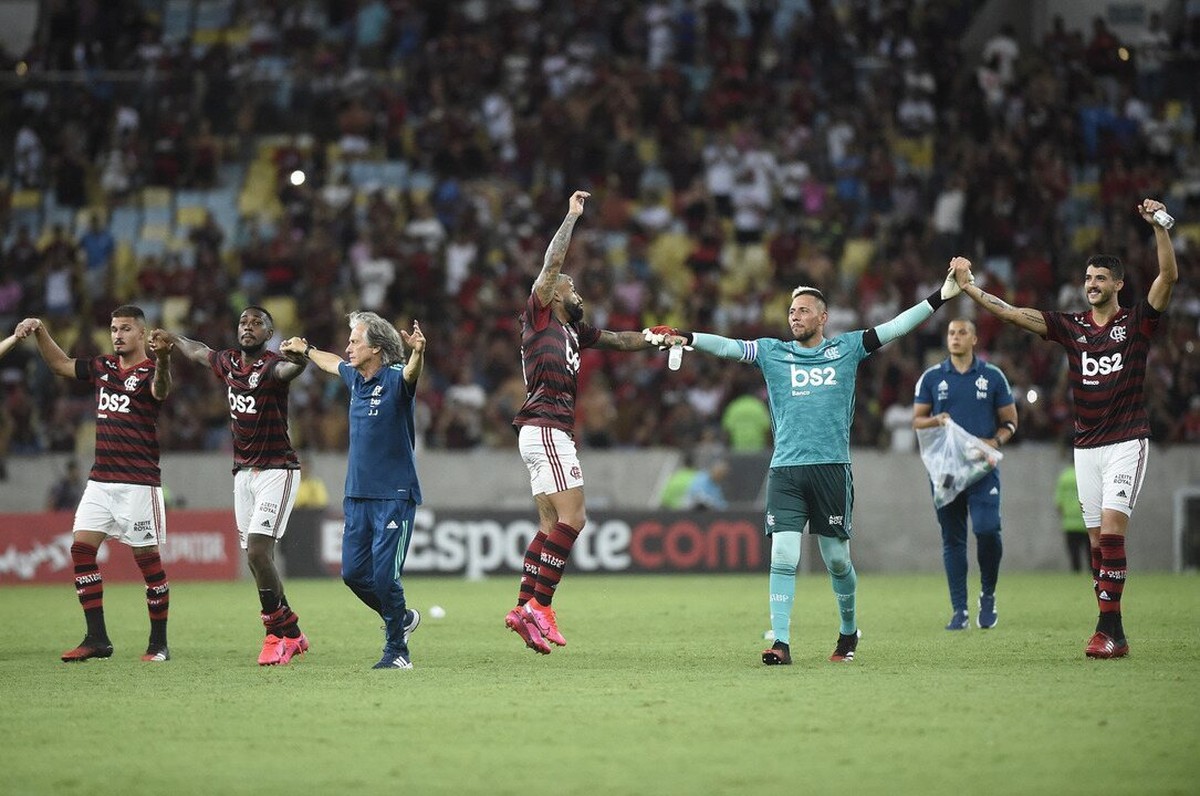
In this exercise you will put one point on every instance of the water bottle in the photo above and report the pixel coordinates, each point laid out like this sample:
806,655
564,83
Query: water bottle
675,357
1163,219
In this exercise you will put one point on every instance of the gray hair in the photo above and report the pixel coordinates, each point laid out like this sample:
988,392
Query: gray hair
380,334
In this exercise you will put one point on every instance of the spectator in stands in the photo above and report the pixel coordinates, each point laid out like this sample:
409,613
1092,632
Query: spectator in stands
675,491
64,494
29,158
98,247
670,133
748,423
704,491
1066,502
460,423
312,492
12,298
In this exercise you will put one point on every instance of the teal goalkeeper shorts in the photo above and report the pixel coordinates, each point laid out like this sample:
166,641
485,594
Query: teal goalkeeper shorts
821,495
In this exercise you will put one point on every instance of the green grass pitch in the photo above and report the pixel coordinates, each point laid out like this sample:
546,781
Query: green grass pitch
660,691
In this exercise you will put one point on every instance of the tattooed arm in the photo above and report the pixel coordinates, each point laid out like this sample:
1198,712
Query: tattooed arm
556,252
1168,269
161,347
622,341
1025,317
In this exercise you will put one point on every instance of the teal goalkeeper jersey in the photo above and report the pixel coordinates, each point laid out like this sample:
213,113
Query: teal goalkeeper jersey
811,394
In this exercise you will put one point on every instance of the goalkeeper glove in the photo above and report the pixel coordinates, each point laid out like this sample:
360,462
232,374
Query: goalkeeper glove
950,287
657,335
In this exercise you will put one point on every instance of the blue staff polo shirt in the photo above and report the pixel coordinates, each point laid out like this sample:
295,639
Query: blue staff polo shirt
971,399
381,464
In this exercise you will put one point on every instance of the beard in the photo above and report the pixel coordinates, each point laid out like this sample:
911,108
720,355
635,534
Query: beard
252,350
575,312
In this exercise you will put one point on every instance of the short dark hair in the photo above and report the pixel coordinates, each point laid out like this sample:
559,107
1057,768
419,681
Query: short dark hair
129,311
264,312
1109,261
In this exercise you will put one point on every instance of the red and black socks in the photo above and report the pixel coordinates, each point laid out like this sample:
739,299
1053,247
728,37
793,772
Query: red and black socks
158,595
553,560
277,616
530,568
89,586
1110,584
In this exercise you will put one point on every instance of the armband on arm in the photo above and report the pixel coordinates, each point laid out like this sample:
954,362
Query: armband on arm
724,347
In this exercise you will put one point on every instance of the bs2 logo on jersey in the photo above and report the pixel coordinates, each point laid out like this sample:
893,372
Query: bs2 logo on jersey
812,377
1100,366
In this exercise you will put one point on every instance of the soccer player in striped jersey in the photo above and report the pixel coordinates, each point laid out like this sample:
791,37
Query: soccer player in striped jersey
810,388
266,470
1107,349
123,498
553,333
382,491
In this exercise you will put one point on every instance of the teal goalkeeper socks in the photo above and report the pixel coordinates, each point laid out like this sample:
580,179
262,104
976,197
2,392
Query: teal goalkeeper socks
782,595
844,588
836,554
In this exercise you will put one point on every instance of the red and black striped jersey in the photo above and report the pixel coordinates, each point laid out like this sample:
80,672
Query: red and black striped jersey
1108,371
126,420
258,410
550,363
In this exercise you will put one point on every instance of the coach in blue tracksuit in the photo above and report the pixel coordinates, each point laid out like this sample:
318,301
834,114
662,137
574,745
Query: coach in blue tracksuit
382,492
977,396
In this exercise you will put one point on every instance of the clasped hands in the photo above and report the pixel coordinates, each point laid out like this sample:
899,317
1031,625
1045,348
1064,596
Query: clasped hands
664,337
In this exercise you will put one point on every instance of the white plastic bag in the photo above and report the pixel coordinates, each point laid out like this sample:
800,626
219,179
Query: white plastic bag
955,459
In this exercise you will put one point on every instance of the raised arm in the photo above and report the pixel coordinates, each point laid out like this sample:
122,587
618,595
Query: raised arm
7,343
1168,270
289,369
878,336
415,343
192,349
715,344
296,348
623,341
161,346
59,363
1029,319
556,252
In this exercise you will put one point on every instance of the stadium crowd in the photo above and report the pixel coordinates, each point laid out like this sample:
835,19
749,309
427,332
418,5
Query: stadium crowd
418,155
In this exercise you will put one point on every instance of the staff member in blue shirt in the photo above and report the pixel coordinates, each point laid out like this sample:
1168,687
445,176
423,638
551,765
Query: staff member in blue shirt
382,492
977,396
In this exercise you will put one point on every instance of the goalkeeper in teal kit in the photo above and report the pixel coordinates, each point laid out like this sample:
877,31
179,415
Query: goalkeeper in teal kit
810,388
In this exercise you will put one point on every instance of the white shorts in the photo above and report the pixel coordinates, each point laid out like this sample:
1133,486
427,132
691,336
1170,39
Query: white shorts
133,514
1110,477
263,501
550,455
